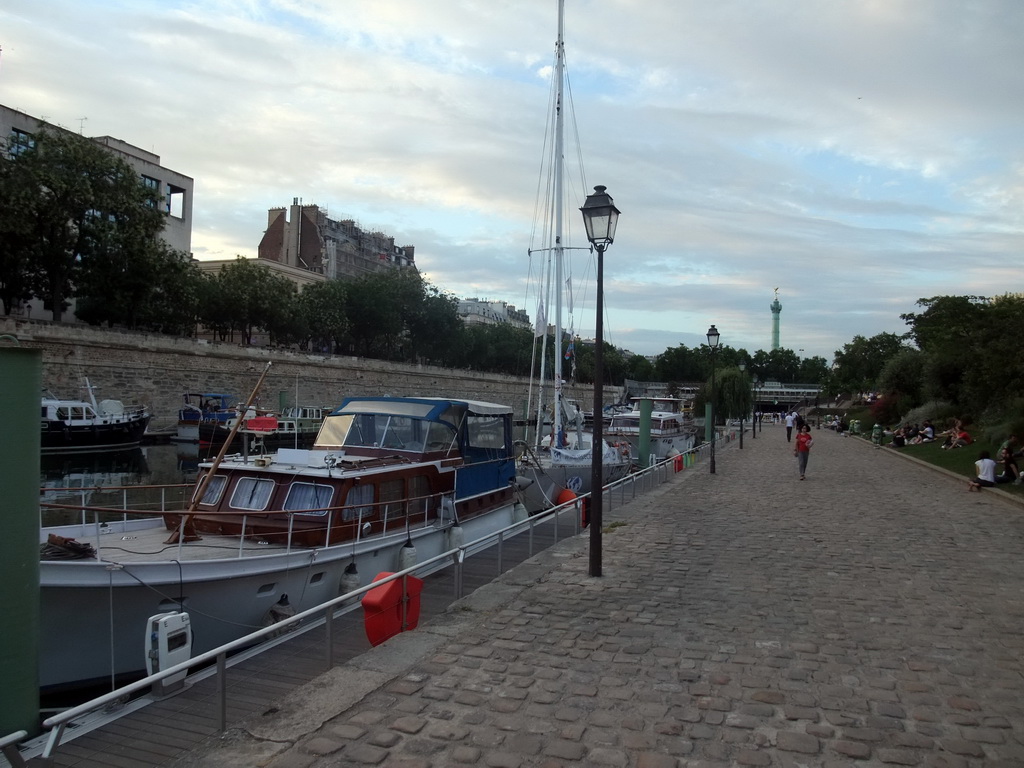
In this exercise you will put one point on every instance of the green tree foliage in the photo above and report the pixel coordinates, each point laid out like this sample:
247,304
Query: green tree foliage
322,308
17,246
498,348
732,396
83,209
901,380
245,297
679,364
859,363
969,345
639,368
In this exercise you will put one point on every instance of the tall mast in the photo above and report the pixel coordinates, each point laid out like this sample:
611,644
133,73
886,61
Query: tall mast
556,416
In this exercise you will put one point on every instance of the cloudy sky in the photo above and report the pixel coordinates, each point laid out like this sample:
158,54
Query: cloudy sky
855,154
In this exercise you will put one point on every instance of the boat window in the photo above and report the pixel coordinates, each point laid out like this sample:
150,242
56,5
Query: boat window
358,502
307,496
214,490
252,493
62,413
419,493
394,432
486,432
392,494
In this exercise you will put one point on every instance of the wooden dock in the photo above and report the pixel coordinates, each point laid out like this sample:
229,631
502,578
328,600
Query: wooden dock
161,731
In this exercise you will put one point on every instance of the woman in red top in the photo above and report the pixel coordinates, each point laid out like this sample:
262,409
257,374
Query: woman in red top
802,451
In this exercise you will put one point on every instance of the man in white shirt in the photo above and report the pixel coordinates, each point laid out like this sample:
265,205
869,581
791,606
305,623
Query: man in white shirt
790,420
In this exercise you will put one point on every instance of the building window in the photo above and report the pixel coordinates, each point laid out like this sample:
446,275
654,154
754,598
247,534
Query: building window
175,201
19,141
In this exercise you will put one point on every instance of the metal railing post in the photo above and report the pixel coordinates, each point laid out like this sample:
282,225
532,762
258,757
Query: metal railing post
222,692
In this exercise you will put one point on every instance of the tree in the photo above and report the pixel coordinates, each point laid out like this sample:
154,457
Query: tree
732,396
377,310
639,368
17,246
434,326
679,364
901,380
78,202
323,307
244,296
858,364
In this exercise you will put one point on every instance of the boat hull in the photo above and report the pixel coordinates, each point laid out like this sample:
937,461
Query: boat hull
58,436
225,598
542,485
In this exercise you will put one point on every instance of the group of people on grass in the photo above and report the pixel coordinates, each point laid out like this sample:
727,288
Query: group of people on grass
986,466
912,434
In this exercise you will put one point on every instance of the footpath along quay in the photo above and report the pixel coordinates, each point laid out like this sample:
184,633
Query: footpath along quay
871,615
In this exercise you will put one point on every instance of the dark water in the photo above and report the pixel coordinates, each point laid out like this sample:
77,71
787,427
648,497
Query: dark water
88,478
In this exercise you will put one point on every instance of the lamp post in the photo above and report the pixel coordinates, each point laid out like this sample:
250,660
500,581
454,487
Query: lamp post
600,217
742,367
753,430
713,337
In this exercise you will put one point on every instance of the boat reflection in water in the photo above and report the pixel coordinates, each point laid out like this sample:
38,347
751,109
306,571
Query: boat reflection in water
81,479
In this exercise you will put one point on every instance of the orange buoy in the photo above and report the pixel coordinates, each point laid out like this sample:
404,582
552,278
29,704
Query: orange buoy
383,608
564,496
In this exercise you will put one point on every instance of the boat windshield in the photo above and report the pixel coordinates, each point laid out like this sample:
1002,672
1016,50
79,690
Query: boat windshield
373,430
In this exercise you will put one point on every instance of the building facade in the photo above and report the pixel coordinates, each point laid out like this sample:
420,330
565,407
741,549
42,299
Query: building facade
304,237
484,312
176,189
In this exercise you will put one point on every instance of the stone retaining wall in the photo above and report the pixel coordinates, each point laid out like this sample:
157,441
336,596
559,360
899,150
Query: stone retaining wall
155,370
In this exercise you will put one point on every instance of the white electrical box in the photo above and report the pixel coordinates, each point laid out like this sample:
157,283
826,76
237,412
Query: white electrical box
168,642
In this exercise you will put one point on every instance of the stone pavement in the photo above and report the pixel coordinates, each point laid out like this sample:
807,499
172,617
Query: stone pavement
870,615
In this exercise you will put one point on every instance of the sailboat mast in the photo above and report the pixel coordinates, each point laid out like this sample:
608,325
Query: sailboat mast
556,416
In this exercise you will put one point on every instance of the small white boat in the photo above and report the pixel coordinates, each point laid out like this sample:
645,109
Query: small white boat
388,479
85,425
671,432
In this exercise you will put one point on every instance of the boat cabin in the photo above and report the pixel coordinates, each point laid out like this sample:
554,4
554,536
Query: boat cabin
377,466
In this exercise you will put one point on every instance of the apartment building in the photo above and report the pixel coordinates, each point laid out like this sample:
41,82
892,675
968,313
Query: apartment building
305,237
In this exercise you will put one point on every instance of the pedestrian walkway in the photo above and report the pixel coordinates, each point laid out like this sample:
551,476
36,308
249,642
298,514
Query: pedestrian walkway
870,615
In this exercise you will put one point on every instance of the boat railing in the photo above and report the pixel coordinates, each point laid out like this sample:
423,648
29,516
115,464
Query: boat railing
220,659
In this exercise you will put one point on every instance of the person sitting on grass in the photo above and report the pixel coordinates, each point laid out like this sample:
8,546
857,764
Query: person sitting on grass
986,473
926,435
1008,453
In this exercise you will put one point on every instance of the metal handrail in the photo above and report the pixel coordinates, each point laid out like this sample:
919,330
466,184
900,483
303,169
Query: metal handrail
326,611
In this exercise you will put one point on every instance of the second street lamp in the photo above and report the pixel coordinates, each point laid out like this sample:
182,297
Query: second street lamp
743,368
713,338
754,417
600,216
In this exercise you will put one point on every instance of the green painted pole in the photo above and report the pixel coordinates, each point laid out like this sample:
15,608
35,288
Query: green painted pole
708,426
646,408
20,385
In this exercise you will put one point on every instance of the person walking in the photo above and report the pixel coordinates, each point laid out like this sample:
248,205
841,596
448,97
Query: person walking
802,451
789,426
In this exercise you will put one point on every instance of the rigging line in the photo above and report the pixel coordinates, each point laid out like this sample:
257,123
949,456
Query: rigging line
543,188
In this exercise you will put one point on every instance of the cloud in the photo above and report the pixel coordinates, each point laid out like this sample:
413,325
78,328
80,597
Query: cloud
860,154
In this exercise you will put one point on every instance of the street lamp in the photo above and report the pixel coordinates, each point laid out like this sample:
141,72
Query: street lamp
742,367
713,337
599,217
753,430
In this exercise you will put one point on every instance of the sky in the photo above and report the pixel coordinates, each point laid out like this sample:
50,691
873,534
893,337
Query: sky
855,155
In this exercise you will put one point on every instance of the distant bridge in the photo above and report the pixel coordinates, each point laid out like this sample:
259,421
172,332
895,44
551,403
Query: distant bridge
769,395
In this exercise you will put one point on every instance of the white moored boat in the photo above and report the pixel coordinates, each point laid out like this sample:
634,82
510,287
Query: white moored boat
559,464
385,475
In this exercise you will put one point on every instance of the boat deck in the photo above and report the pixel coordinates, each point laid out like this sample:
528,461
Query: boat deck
149,544
159,732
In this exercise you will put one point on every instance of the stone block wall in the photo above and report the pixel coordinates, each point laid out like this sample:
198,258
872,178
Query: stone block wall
156,370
